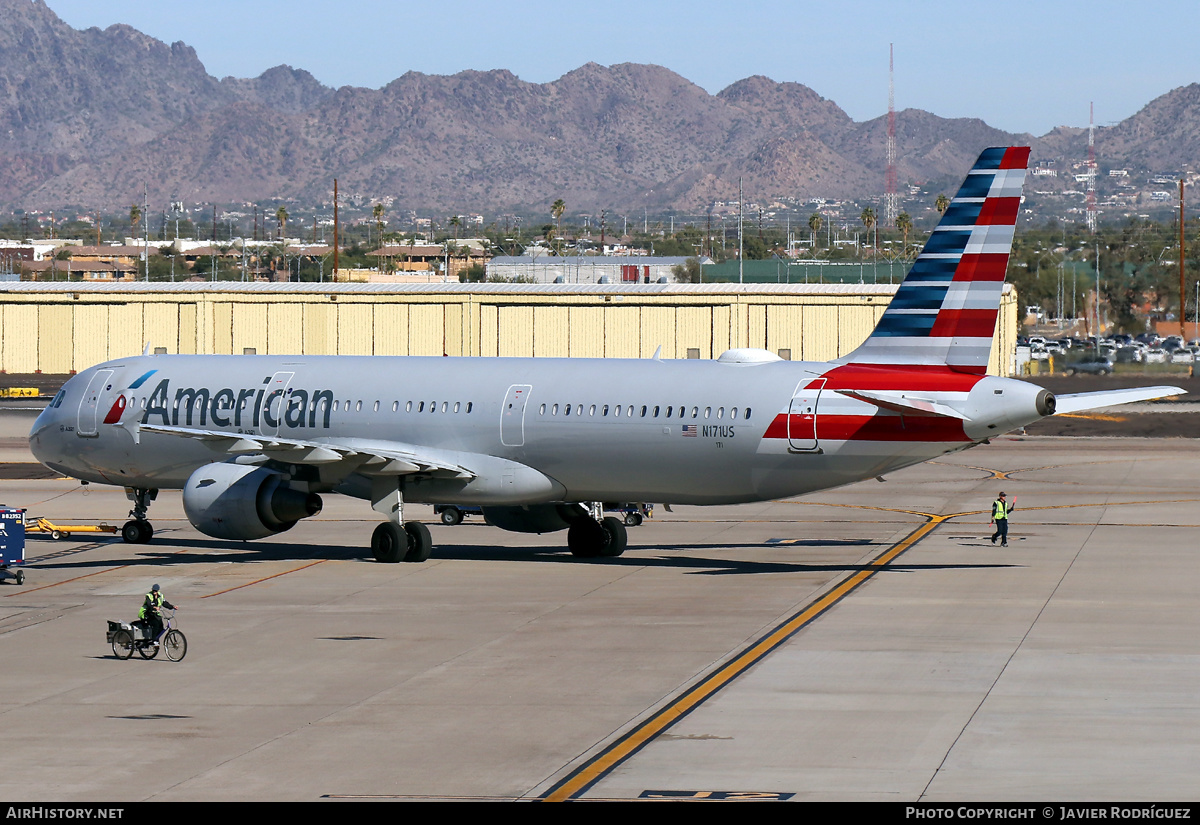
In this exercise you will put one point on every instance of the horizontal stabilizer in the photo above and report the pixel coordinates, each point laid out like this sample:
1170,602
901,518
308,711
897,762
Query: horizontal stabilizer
905,403
1079,401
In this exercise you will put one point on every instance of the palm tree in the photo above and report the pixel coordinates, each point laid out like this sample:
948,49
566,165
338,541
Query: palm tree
281,215
815,221
377,213
135,217
904,224
941,204
557,209
868,219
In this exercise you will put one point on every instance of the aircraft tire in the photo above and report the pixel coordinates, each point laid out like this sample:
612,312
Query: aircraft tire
420,543
389,543
122,644
616,537
452,516
137,531
586,539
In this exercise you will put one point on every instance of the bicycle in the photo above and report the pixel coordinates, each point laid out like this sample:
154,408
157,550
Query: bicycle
126,637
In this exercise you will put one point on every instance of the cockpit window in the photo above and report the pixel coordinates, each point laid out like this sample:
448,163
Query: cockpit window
57,400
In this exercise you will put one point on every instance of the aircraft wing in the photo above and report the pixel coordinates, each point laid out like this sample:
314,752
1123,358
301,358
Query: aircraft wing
1079,401
359,455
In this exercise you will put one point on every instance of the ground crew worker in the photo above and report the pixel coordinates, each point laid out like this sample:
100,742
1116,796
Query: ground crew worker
151,612
1000,510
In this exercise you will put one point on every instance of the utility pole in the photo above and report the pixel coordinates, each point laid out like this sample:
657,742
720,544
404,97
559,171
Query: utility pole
335,229
741,273
1182,282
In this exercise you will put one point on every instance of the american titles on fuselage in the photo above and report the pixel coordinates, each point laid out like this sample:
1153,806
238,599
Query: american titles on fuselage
236,407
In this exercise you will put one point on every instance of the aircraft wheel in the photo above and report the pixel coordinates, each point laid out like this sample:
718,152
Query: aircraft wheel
122,644
452,516
586,539
616,538
420,543
389,543
137,531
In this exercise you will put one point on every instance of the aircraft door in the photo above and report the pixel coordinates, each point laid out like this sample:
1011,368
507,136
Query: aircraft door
89,405
512,415
802,417
275,403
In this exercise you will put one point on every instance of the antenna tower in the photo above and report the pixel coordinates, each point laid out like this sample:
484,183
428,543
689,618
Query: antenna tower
1091,169
890,202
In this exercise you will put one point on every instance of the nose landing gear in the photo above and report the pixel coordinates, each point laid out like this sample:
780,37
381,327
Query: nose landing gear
139,531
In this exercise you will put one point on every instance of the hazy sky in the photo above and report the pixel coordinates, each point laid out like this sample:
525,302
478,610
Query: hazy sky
1022,66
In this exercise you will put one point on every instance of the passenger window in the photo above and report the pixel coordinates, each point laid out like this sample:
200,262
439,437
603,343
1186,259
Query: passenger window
695,412
668,412
630,411
408,407
567,409
376,409
643,411
470,404
605,410
733,413
656,412
592,410
542,411
421,407
457,403
395,406
720,413
445,405
707,412
747,413
554,410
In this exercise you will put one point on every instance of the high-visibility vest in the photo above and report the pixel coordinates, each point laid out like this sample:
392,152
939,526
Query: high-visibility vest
1000,509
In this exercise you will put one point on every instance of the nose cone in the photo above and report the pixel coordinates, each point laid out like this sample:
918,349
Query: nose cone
49,437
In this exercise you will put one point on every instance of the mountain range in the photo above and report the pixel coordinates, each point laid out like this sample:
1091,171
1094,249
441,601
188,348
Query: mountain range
91,116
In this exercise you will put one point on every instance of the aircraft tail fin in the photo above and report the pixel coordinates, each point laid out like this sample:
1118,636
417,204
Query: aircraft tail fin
944,313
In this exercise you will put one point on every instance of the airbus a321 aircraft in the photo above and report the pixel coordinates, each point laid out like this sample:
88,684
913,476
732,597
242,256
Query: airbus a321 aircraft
253,441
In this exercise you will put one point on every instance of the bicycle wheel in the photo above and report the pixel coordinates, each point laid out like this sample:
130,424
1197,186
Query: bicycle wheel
122,644
148,650
175,645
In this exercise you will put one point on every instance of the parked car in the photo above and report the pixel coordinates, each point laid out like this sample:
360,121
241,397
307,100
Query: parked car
1089,366
1156,355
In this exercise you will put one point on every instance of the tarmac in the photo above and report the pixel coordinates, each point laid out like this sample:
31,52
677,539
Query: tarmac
866,643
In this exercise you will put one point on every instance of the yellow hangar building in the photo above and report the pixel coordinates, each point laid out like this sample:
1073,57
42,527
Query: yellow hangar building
66,327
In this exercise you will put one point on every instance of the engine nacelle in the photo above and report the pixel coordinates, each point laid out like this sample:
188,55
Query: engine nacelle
237,501
535,518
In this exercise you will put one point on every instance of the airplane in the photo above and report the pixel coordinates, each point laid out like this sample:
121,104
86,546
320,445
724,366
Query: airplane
253,441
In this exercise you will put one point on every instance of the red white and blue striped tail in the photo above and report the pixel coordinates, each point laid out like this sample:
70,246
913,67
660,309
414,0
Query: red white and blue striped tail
944,313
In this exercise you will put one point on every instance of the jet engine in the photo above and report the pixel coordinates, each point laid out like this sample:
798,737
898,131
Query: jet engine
236,501
535,518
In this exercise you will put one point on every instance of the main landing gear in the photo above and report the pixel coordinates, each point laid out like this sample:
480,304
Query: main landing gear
588,538
394,541
391,542
139,531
